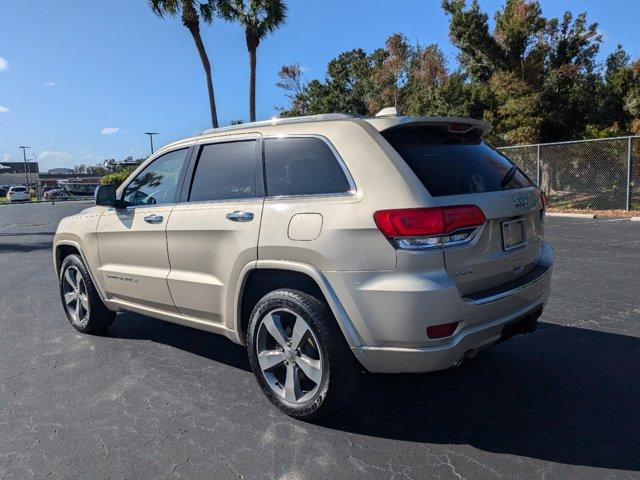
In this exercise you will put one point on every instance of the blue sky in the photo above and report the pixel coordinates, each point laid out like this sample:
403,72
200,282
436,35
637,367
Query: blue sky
81,80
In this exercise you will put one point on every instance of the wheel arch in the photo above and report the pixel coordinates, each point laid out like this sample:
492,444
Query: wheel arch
62,250
65,247
263,276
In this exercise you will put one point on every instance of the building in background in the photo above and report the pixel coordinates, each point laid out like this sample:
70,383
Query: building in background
13,173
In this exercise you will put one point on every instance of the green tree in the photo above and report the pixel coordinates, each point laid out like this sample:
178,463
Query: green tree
190,12
347,85
258,18
536,79
620,89
117,178
540,71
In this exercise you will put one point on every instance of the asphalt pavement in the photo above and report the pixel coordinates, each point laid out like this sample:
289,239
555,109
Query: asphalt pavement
157,400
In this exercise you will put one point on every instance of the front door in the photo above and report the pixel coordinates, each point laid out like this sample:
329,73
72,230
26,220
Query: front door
213,233
132,242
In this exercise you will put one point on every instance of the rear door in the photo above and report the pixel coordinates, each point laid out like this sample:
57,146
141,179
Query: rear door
458,168
213,232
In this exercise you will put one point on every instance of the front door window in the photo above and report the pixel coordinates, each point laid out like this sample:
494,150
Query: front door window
158,182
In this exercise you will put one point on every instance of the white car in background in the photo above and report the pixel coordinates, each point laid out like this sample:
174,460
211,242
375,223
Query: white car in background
18,193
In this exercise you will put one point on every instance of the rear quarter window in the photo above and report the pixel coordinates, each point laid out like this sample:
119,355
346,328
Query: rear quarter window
302,166
454,163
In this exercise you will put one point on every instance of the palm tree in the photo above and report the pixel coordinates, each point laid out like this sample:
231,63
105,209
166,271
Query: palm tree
258,17
191,10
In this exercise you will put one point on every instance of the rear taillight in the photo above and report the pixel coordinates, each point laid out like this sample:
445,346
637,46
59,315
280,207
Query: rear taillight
545,202
420,228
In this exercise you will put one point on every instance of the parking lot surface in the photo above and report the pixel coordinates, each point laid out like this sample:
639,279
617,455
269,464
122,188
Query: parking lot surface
157,400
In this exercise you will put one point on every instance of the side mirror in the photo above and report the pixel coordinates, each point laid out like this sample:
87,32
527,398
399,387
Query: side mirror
106,195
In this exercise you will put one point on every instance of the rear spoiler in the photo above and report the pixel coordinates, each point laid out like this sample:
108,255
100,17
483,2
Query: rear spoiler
454,124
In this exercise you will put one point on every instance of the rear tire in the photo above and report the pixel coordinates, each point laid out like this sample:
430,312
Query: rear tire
80,299
299,355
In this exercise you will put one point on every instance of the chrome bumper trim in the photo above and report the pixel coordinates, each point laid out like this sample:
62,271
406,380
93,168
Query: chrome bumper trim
510,292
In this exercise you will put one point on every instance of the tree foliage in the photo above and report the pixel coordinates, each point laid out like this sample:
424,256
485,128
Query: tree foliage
534,78
117,178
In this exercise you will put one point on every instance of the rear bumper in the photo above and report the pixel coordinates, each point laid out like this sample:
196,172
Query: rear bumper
391,311
466,343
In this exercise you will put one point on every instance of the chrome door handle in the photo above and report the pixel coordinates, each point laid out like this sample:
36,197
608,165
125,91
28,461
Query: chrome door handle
240,216
153,218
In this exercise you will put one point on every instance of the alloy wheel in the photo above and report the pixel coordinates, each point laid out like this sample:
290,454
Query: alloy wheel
74,292
289,356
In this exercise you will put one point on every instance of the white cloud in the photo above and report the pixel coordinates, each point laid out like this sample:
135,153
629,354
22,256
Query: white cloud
89,158
49,84
52,159
109,130
3,64
3,109
7,157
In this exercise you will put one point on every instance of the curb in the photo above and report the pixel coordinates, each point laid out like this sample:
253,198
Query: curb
572,215
635,219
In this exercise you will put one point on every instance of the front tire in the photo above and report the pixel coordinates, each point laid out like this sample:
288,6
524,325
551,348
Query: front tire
299,356
80,300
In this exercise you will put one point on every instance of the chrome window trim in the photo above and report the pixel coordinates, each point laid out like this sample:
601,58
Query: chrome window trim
352,185
223,201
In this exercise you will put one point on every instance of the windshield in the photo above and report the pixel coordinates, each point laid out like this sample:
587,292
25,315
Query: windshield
454,163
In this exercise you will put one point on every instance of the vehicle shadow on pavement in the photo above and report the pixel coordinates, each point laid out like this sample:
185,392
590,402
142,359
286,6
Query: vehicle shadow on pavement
563,394
129,325
24,247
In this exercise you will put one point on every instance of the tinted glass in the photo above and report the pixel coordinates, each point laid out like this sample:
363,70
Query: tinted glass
157,183
19,189
454,164
225,171
302,166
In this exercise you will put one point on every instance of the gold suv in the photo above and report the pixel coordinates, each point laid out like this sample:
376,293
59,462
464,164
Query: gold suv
326,245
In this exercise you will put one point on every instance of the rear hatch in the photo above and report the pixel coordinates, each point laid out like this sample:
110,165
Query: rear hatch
458,168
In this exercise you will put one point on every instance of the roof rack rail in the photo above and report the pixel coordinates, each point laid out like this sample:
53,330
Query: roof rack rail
283,121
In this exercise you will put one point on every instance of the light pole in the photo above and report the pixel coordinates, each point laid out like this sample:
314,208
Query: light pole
151,134
26,170
36,182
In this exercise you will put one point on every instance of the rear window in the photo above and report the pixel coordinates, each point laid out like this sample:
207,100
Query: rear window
19,189
454,163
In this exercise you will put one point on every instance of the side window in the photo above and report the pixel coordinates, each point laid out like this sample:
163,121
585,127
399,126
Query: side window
225,171
302,166
157,183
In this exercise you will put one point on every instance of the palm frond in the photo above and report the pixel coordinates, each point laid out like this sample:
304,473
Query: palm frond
208,11
259,17
165,7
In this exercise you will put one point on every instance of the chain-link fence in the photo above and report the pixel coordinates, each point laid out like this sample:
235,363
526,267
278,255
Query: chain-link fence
602,174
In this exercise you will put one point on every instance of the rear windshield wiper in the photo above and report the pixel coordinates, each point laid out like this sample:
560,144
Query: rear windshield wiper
509,176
